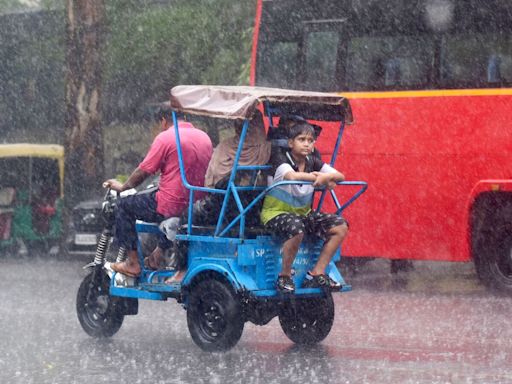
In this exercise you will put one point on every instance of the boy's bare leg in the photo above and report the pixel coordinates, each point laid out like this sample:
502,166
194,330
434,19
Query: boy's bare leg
290,249
336,236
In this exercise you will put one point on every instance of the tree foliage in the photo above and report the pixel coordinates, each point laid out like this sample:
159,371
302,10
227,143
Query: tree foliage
150,46
189,41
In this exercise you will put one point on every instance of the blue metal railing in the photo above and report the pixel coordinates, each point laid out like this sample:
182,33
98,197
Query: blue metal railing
233,189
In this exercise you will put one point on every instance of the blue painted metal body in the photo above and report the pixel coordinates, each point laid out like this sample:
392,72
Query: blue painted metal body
250,264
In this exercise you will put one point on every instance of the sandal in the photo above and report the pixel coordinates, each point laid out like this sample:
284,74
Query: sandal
320,281
176,279
122,267
285,284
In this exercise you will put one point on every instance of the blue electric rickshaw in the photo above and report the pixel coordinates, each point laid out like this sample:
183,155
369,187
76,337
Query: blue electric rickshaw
232,268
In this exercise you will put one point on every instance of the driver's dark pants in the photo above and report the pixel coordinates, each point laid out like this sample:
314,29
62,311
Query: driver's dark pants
137,207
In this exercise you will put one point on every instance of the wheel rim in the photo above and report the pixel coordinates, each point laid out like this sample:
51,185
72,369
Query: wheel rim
212,322
96,308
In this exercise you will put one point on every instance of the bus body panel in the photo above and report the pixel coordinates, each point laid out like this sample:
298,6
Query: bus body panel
429,141
421,158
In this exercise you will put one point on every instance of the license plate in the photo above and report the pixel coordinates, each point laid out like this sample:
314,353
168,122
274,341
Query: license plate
85,239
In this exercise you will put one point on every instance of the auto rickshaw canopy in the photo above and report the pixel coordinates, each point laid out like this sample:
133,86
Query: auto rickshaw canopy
239,102
51,151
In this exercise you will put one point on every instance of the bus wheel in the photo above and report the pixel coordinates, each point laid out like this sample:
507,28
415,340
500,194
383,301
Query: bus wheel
307,321
492,240
99,316
214,315
494,263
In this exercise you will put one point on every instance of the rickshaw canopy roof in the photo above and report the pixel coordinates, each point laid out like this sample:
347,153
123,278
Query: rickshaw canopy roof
54,151
239,102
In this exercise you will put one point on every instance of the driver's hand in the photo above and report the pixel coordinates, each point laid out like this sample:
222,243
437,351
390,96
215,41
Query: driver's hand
113,184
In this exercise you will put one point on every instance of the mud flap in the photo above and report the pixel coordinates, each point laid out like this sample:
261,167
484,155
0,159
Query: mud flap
128,305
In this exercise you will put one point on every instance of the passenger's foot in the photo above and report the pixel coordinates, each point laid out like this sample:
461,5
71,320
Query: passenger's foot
285,284
320,281
155,260
126,268
176,278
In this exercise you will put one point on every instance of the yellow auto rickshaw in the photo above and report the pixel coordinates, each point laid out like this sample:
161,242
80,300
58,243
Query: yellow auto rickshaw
31,195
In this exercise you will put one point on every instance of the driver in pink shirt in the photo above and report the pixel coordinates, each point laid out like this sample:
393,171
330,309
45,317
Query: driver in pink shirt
170,199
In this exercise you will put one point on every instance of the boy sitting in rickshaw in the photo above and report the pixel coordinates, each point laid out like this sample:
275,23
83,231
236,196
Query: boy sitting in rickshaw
287,210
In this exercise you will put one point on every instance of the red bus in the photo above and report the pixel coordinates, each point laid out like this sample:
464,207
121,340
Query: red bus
430,85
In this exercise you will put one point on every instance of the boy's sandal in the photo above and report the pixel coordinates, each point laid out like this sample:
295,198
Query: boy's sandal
320,281
285,284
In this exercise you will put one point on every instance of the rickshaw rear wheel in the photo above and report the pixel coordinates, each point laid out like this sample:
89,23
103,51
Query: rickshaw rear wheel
214,315
97,311
307,321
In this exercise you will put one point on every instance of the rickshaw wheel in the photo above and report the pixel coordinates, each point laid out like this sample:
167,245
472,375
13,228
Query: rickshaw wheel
307,321
214,315
96,310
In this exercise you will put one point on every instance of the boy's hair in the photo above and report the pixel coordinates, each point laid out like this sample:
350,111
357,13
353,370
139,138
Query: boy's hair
300,128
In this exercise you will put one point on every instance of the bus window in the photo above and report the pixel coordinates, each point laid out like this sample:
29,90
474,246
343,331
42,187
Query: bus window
279,64
396,62
320,60
476,60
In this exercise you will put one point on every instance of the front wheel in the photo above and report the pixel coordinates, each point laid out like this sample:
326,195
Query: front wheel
307,321
97,312
214,315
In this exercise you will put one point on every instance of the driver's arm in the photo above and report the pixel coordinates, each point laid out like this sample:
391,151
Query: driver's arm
135,179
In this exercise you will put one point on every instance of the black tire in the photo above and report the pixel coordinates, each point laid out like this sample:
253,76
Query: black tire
307,321
11,250
38,247
97,311
492,241
494,262
214,315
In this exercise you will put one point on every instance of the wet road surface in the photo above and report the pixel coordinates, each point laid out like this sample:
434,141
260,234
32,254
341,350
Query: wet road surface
435,324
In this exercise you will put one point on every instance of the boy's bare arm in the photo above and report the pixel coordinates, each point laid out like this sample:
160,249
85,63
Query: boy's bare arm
328,179
300,176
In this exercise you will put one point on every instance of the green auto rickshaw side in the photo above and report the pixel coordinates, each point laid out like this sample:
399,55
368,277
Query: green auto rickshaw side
31,181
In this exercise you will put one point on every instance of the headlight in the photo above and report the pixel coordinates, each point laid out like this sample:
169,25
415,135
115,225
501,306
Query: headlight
89,218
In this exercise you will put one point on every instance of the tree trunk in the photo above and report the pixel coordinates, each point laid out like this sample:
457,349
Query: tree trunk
83,138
